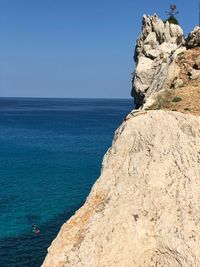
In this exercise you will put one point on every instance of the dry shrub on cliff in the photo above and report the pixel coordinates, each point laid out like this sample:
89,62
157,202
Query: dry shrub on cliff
162,100
185,99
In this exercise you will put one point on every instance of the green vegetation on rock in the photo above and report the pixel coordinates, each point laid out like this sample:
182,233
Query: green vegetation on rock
172,20
176,99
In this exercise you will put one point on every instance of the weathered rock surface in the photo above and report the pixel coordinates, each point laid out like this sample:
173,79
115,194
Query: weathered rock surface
194,74
197,63
193,39
177,83
144,210
156,49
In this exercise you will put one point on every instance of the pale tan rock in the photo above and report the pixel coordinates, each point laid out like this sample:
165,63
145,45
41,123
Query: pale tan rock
178,51
178,83
144,210
173,73
193,39
168,75
152,53
157,43
145,73
194,74
197,63
167,48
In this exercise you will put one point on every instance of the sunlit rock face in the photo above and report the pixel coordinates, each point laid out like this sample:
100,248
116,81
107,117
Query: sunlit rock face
154,53
193,39
144,210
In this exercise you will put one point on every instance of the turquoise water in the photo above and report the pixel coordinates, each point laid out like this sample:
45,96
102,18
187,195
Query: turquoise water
51,153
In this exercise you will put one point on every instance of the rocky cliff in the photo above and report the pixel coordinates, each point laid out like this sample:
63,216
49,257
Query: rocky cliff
144,210
157,59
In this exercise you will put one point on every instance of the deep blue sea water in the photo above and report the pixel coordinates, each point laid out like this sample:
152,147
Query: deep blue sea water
50,155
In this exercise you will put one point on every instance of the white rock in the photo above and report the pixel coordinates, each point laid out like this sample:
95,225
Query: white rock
151,39
175,30
178,51
144,210
146,48
178,83
158,42
193,39
152,53
145,73
194,74
173,73
167,48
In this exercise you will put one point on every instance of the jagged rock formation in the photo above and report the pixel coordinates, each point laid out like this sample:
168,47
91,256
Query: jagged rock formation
193,39
155,51
144,210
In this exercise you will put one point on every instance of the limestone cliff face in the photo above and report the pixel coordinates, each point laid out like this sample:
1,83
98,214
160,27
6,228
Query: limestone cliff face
156,54
144,210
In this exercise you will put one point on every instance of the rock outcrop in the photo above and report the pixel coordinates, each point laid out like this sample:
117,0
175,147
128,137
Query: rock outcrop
156,57
144,210
193,39
155,51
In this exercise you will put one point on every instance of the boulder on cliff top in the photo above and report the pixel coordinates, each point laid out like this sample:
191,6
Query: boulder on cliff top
193,39
144,210
155,32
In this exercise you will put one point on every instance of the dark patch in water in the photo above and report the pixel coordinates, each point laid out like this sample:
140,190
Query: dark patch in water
29,250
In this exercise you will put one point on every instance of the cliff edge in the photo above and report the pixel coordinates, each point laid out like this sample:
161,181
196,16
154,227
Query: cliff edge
144,210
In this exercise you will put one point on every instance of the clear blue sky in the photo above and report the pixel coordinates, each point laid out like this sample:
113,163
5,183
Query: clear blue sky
75,48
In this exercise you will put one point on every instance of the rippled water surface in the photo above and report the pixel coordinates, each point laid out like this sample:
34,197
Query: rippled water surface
50,155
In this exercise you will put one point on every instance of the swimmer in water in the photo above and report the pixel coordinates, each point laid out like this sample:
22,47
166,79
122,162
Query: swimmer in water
35,229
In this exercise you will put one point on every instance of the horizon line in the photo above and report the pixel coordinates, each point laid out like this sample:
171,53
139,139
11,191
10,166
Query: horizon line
41,97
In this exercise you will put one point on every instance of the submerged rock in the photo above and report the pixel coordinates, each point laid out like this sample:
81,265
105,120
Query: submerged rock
144,210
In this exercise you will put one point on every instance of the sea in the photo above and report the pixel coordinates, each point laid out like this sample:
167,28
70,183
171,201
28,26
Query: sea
50,156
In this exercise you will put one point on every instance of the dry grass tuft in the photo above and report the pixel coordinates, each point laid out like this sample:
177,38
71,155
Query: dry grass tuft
185,99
